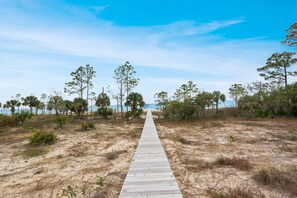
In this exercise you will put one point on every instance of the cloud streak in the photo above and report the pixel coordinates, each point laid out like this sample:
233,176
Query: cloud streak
181,46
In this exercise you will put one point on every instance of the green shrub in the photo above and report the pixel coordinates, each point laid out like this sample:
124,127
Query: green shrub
23,116
176,110
42,137
60,121
104,112
86,126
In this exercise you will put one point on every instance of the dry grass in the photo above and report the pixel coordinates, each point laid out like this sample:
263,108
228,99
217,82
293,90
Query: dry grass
195,150
31,151
74,160
113,154
238,192
78,150
197,165
237,162
182,140
283,180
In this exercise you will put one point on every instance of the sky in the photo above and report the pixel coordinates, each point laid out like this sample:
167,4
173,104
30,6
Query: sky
212,43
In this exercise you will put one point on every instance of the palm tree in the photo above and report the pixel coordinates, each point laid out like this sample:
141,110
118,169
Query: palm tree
136,103
80,106
216,97
18,98
103,102
5,108
12,104
30,101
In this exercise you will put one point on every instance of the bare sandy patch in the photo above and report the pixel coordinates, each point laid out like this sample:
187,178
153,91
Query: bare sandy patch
215,156
78,164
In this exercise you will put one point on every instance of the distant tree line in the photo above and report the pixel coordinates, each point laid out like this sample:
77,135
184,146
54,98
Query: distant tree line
274,96
82,86
188,102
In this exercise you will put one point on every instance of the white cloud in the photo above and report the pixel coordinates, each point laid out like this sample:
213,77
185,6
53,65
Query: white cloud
191,28
216,63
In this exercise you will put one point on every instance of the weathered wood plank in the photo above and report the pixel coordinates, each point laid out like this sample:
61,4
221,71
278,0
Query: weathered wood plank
150,174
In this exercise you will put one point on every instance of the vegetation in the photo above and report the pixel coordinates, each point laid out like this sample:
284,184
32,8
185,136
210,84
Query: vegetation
238,192
60,121
81,80
31,101
12,104
79,106
126,81
162,99
291,37
103,103
236,91
23,117
7,120
56,102
188,102
283,180
239,163
42,138
32,151
276,68
136,104
86,126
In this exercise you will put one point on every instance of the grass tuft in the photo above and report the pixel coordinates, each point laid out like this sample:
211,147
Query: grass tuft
182,140
33,152
87,126
239,163
238,192
113,154
283,180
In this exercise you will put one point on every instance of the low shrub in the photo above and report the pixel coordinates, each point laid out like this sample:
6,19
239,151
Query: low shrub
86,126
23,117
239,163
104,112
42,137
60,121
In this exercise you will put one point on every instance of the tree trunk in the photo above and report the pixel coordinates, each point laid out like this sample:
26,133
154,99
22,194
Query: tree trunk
286,80
121,100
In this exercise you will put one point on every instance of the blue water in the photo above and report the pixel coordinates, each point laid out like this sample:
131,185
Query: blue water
226,104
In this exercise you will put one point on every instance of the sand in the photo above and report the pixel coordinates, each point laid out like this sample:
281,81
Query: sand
192,148
81,163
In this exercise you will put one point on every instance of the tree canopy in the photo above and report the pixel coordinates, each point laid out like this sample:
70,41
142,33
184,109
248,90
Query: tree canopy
276,68
291,37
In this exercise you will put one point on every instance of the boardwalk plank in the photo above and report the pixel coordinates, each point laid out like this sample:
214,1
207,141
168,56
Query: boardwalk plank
150,174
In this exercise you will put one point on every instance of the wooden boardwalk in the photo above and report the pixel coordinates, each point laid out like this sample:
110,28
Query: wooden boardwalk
150,174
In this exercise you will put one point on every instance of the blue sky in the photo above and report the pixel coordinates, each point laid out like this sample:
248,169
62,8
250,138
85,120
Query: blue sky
213,43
